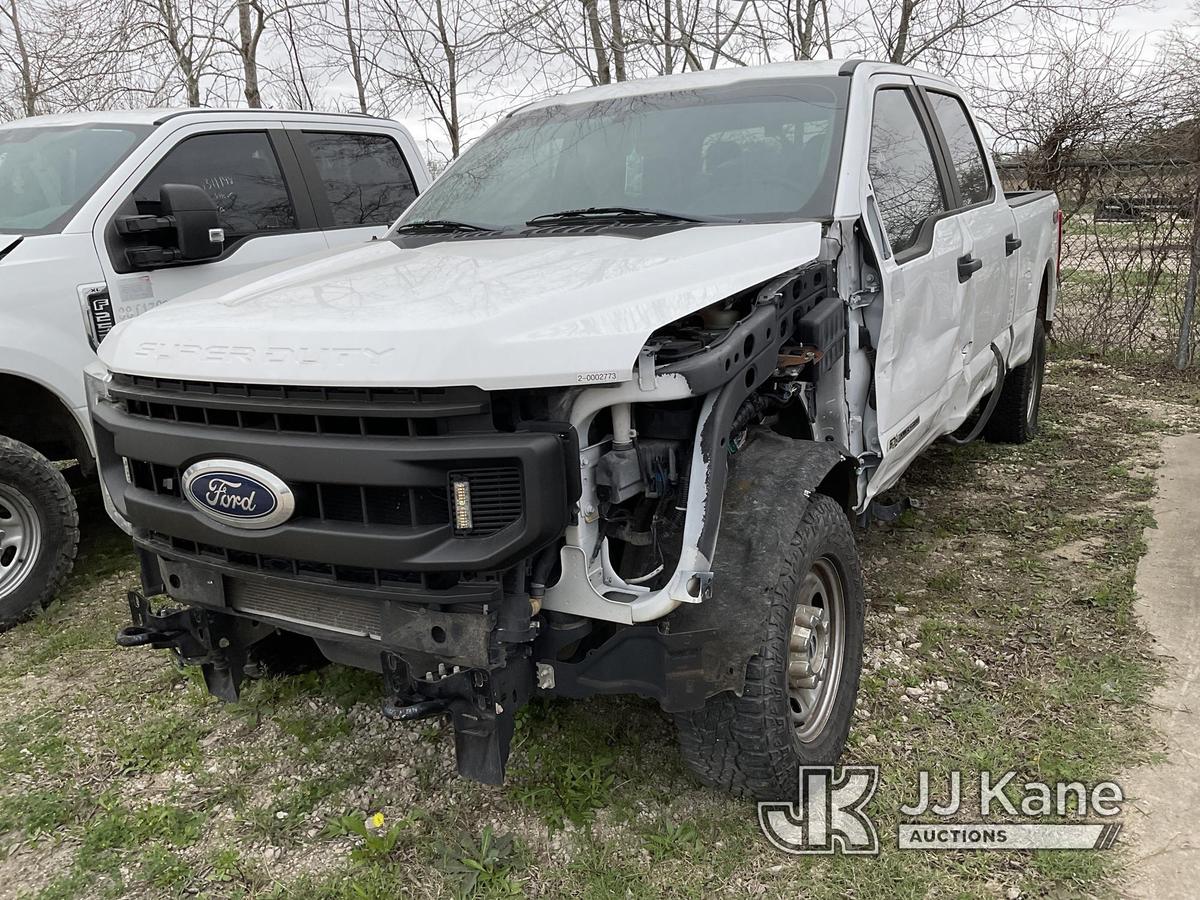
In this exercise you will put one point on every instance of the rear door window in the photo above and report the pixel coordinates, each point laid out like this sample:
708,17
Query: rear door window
365,177
908,190
238,170
966,151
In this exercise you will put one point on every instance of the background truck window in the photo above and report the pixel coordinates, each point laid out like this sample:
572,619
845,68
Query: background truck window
366,179
46,173
241,174
907,188
966,152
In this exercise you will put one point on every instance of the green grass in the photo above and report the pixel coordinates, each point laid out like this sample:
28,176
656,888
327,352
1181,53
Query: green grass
164,741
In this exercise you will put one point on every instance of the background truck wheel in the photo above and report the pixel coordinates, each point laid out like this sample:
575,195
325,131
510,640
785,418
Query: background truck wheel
801,685
1015,418
39,531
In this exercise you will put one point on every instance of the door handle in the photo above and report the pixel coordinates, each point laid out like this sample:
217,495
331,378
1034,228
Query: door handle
968,266
1012,244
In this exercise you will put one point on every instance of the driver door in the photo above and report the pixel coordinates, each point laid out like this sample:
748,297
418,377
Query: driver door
919,359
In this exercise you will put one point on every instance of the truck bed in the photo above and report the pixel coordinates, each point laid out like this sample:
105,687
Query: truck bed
1020,198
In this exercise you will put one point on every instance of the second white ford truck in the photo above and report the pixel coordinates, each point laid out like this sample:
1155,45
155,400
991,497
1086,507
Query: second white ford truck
596,415
93,209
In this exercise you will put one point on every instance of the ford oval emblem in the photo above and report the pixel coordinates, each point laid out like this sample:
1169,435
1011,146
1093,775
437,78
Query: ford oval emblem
238,493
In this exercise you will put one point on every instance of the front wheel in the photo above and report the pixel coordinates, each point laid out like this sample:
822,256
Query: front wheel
801,686
39,531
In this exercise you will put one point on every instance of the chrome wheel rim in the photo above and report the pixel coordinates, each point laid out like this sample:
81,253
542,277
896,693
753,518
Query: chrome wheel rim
20,538
816,650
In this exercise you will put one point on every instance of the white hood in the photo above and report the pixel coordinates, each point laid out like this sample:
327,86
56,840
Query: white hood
506,313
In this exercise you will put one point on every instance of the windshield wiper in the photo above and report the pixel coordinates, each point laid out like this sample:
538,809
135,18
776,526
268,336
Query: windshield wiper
441,225
621,214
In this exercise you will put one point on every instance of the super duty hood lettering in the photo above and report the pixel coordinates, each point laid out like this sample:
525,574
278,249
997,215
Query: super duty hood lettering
498,314
298,356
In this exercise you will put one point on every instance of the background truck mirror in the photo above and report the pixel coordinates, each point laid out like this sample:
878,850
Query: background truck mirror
198,233
187,229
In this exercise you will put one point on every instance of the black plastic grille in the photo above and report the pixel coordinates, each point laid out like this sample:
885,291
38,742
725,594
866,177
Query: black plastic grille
288,393
303,570
360,504
371,511
366,412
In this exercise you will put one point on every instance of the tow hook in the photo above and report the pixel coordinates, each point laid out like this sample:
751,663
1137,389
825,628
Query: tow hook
141,636
165,629
422,709
198,637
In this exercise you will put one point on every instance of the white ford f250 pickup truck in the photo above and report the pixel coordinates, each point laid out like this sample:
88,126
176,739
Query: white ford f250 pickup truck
93,209
597,414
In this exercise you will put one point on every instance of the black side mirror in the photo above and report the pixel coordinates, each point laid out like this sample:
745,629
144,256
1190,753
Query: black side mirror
198,232
189,214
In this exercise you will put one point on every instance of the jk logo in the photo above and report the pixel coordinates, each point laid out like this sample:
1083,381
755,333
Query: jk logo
828,816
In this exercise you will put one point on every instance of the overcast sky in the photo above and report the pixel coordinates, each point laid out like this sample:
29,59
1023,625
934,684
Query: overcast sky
1153,20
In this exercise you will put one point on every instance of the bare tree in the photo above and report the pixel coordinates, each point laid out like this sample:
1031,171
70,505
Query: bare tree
324,41
592,12
1076,94
618,39
940,34
191,32
254,17
649,37
451,51
565,38
251,23
297,79
808,21
20,57
352,29
62,54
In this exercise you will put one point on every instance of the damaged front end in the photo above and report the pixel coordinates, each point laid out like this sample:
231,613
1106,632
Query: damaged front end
475,548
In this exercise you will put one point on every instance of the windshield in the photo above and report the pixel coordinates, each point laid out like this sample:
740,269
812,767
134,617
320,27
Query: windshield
765,151
46,173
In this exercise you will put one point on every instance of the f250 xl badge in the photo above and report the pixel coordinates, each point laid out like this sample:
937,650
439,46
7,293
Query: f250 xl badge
238,493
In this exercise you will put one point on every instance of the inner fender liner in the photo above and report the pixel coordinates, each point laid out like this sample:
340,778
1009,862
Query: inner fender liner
766,494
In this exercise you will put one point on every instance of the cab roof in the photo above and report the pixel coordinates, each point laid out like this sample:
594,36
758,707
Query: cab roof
713,78
160,115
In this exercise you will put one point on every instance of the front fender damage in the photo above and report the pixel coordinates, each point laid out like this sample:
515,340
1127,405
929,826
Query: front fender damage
769,486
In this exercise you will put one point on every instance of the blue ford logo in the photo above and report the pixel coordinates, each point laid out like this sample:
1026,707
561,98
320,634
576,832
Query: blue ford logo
238,493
